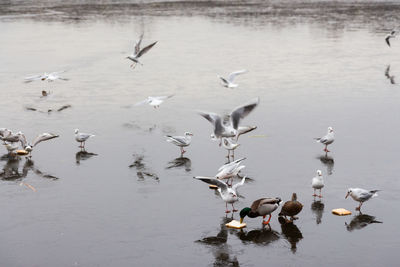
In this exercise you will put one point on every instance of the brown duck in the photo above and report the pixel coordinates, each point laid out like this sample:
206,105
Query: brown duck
291,208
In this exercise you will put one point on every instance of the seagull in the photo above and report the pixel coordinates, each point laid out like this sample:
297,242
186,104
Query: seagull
390,77
11,137
40,138
392,34
228,194
361,195
230,170
11,147
50,77
180,141
229,81
261,207
154,101
327,139
82,137
230,145
317,183
139,52
3,133
231,128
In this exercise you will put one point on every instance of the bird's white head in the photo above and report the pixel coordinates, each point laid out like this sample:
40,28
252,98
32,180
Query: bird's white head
319,172
349,191
76,131
330,129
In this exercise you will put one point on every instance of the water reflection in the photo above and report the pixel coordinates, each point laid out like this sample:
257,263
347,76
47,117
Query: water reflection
180,162
388,76
360,221
142,171
263,236
317,208
292,233
83,155
328,161
219,246
11,170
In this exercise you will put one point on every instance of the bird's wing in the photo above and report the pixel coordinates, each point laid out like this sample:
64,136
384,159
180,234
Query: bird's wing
230,164
33,78
213,181
215,119
232,76
242,111
180,139
256,204
144,50
43,137
142,102
161,97
137,45
22,139
387,71
239,184
223,79
387,40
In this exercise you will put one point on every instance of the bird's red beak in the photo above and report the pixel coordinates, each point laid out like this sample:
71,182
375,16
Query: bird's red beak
347,195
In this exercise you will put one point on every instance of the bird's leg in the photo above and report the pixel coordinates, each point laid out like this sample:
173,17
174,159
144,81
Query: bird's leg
267,222
226,208
314,193
359,207
220,141
233,208
320,194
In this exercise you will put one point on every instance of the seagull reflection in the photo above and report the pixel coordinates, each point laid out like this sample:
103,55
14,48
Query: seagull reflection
292,233
180,162
328,161
141,169
219,246
387,75
11,170
317,208
360,221
262,236
83,155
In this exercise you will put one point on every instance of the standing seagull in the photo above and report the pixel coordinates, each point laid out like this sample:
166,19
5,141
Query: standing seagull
228,194
154,101
327,139
317,183
229,81
180,141
392,34
230,145
40,138
230,129
82,137
139,52
261,207
361,195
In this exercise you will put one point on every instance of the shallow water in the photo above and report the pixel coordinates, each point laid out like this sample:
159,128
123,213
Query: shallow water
131,200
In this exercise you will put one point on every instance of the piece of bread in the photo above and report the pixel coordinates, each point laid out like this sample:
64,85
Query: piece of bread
235,224
341,212
211,186
22,152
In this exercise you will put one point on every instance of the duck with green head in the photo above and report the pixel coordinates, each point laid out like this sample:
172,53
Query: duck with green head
261,207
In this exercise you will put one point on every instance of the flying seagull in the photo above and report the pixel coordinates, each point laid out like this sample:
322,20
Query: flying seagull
50,77
139,52
392,34
154,101
228,82
40,138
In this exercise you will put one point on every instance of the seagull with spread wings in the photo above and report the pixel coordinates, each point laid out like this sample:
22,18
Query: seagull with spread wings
139,52
154,101
40,138
228,82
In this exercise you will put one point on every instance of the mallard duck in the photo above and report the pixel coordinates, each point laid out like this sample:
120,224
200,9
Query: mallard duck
291,208
261,207
361,195
317,183
328,139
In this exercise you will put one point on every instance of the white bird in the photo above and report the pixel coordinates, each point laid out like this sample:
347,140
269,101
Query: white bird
82,137
180,141
50,77
231,128
11,147
392,34
228,194
230,170
230,145
361,195
40,138
154,101
318,183
228,82
327,139
11,137
139,52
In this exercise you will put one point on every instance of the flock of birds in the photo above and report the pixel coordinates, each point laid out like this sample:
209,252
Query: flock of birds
225,128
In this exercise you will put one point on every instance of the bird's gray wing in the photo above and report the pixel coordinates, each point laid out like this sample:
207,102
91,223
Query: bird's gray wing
242,111
387,71
223,79
33,78
215,119
161,97
230,164
23,141
239,184
387,40
43,137
137,45
179,139
213,181
144,50
142,102
232,76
